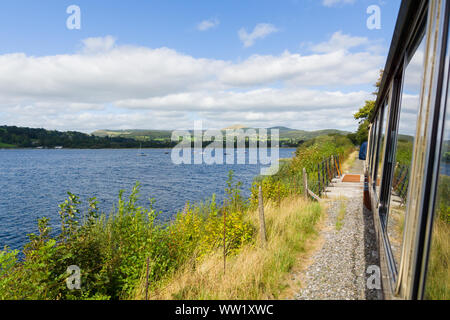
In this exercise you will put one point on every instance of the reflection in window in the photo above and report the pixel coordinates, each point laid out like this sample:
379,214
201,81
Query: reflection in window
382,145
438,274
404,149
372,142
375,147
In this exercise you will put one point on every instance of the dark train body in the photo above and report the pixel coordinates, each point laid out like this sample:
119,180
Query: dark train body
408,155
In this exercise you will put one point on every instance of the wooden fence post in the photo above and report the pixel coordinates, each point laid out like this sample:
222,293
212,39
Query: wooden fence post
318,178
305,183
339,165
332,167
146,279
262,223
336,172
323,177
330,175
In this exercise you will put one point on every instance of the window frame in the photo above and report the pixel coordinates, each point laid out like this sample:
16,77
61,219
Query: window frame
435,146
380,165
396,88
419,35
375,150
431,16
388,166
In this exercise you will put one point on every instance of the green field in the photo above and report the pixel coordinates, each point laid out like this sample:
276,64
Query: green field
6,145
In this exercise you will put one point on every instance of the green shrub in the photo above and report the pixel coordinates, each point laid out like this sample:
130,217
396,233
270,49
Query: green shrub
112,250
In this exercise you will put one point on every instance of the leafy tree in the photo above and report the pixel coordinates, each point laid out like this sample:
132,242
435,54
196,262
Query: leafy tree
363,115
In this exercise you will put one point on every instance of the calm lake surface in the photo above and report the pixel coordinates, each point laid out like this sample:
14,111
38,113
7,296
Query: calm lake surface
33,182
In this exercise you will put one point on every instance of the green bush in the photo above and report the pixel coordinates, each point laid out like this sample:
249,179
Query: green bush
112,250
199,229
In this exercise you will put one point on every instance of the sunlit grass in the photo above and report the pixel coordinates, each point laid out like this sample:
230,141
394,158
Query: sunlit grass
349,162
438,277
256,272
341,216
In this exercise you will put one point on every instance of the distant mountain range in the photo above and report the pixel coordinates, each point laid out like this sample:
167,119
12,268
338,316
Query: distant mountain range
292,135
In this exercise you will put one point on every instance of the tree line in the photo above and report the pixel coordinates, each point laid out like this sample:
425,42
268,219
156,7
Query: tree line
24,137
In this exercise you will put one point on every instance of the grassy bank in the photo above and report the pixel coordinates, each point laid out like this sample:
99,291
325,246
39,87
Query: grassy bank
184,258
438,277
255,271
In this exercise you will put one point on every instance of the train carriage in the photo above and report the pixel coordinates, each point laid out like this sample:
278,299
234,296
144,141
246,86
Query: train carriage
408,160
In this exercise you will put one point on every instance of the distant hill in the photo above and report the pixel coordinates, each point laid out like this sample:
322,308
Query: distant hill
282,129
306,135
23,137
137,134
235,126
287,135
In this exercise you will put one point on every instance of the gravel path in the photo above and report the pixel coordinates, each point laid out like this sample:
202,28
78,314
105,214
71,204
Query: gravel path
338,270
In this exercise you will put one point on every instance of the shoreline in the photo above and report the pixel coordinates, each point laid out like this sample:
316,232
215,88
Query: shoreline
147,148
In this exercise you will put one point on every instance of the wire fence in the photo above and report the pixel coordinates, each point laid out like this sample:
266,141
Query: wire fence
309,178
326,171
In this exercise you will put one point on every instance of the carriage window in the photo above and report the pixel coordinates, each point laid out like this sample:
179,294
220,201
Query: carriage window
382,145
410,100
438,274
372,142
375,147
370,149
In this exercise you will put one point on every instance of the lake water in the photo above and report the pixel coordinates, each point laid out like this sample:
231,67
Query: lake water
33,182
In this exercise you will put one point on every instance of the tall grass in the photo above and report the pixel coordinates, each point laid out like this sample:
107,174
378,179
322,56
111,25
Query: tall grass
438,277
255,272
341,216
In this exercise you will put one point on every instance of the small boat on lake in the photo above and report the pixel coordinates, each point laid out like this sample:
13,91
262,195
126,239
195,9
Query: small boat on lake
141,154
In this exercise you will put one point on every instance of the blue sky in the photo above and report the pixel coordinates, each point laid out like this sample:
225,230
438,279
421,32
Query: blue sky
222,73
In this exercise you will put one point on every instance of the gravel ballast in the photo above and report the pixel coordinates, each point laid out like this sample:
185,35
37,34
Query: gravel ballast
338,270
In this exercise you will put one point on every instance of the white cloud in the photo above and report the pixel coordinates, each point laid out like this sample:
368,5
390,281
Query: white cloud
118,87
208,24
340,41
331,3
333,68
265,100
99,44
115,74
260,31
